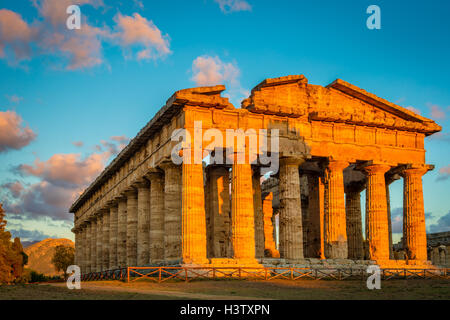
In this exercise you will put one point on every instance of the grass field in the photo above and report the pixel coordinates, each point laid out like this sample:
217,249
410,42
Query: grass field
233,289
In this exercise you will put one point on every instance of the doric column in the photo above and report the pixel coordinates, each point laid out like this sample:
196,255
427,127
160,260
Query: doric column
377,231
414,233
257,207
76,232
83,248
172,211
242,213
193,214
335,224
269,243
87,247
388,180
156,217
316,209
105,243
143,223
132,217
122,231
291,229
113,217
93,244
99,240
354,220
218,197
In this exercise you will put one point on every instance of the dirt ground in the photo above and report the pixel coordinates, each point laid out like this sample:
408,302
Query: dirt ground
235,289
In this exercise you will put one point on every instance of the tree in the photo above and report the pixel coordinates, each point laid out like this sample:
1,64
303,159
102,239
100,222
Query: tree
12,257
63,257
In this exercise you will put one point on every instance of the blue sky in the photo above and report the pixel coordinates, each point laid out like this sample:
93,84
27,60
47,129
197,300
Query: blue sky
82,94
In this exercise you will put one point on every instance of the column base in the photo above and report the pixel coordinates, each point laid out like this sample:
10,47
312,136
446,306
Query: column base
405,264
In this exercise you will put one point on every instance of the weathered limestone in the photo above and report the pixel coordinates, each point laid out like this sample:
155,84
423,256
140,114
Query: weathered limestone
172,212
354,221
93,244
270,249
218,196
156,233
77,234
414,233
83,251
316,211
105,243
132,230
113,233
193,215
87,247
122,232
143,223
257,207
242,219
99,240
377,231
335,220
291,231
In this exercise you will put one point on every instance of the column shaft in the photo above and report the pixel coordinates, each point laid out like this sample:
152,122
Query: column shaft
193,215
258,215
156,217
99,240
354,225
270,249
105,243
172,212
377,230
335,221
291,229
132,217
414,232
122,232
93,235
113,216
143,236
316,210
87,248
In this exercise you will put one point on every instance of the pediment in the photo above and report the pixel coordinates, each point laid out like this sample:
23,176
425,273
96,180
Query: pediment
338,102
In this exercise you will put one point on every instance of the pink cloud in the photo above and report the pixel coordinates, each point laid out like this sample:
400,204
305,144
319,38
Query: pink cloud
12,134
15,34
15,188
436,111
14,98
137,30
228,6
78,143
415,110
209,70
444,173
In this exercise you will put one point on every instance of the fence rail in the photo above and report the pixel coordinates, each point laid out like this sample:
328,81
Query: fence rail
161,274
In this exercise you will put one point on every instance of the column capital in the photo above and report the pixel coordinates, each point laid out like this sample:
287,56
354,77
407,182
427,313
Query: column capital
141,183
292,160
371,167
153,172
336,165
130,191
415,169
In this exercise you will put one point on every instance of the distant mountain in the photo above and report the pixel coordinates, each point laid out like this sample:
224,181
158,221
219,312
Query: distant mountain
40,255
28,243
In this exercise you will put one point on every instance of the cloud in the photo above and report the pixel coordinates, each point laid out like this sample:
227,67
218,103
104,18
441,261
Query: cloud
228,6
15,34
14,98
78,143
61,179
436,111
442,225
397,220
12,134
440,136
209,71
29,235
138,31
415,110
444,173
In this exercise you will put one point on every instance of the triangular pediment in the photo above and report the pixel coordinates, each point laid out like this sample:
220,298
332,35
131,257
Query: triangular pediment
338,102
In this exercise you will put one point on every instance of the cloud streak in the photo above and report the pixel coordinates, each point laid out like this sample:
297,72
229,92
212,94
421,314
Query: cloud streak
13,135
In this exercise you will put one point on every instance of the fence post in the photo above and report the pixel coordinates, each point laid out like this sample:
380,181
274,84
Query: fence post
128,274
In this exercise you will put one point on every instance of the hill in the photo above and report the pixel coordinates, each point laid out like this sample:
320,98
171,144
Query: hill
40,255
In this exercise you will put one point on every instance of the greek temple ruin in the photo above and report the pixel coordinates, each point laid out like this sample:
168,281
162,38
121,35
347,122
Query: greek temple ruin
334,142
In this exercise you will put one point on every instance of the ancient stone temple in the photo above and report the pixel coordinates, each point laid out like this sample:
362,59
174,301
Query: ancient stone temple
333,142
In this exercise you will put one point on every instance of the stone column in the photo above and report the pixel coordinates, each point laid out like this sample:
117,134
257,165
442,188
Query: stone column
270,249
291,230
172,212
242,213
122,232
156,233
132,217
193,215
77,233
414,233
143,223
99,240
335,221
113,227
105,243
316,209
87,247
83,248
218,190
354,220
258,215
376,212
93,244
